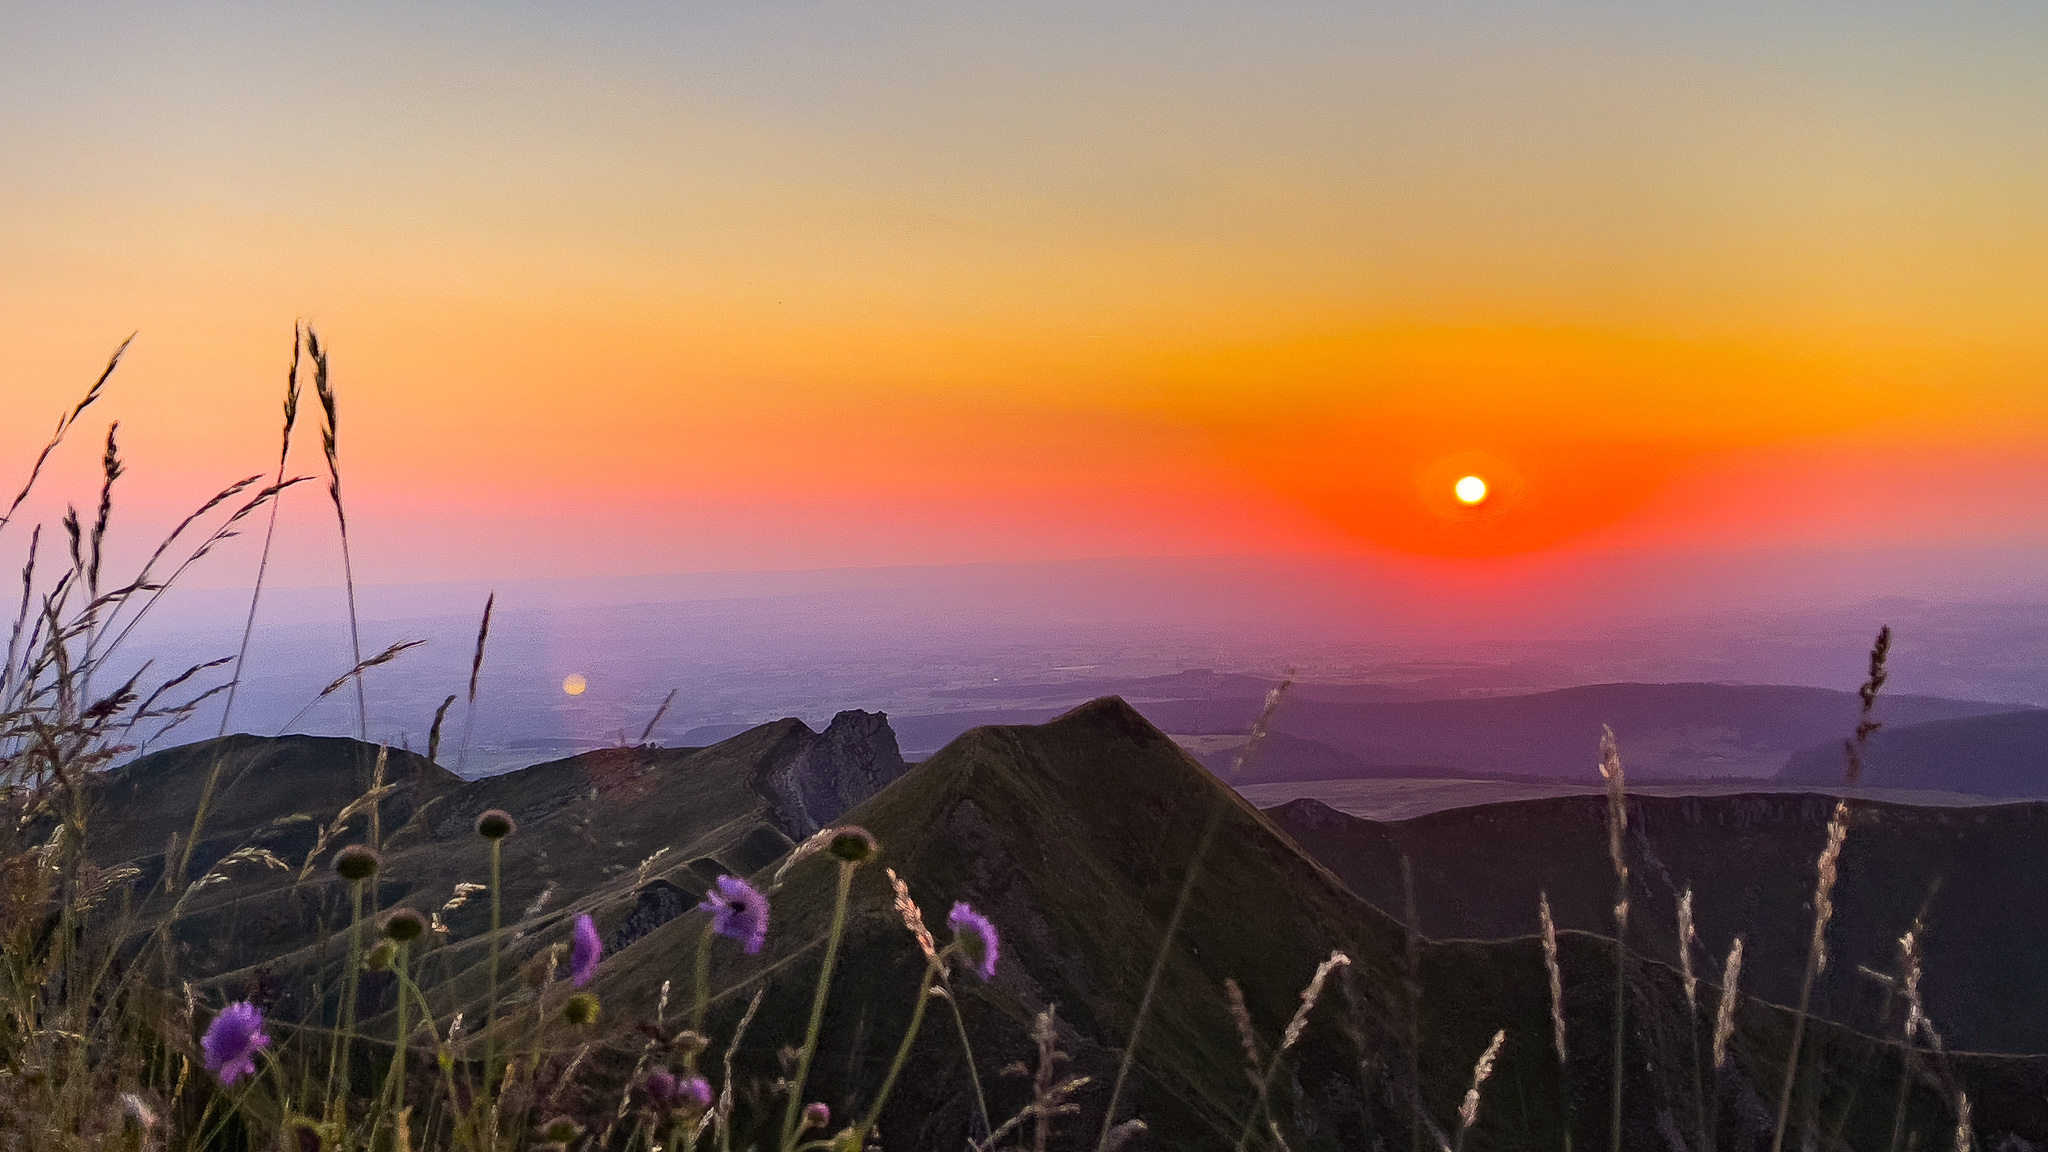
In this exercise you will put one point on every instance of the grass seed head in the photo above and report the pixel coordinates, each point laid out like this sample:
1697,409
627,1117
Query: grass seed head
1724,1017
405,925
496,824
580,1009
853,844
356,862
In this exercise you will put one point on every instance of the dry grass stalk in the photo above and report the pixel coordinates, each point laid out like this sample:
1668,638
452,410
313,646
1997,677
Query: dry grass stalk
1866,724
647,733
1468,1112
64,424
330,442
291,417
1816,956
434,730
1687,937
913,917
1050,1096
1309,996
1556,974
1724,1016
1247,1036
724,1108
354,674
476,671
1964,1138
1617,848
1289,1037
1262,724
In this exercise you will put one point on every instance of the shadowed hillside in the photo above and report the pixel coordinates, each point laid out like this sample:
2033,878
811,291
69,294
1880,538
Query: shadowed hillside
588,822
1750,862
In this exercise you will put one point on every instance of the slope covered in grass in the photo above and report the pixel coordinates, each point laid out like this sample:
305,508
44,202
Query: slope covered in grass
1750,862
1076,837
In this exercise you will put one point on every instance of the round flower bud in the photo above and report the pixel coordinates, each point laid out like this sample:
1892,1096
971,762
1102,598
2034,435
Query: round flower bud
405,925
355,862
580,1009
496,824
816,1115
853,844
381,956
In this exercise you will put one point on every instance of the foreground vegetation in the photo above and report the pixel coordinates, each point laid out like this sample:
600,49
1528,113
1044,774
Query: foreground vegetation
420,1024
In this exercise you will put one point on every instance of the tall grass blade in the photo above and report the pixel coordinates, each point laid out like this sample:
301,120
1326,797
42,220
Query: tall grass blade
476,671
331,444
291,416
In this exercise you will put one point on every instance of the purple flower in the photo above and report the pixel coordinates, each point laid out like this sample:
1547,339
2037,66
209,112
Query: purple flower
584,950
738,912
668,1090
231,1041
976,938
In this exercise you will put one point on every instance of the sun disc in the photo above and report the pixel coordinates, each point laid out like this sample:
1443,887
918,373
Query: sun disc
1469,489
574,684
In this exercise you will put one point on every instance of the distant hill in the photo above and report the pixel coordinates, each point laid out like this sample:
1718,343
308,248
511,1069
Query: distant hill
279,786
1664,729
1337,731
2001,755
1750,862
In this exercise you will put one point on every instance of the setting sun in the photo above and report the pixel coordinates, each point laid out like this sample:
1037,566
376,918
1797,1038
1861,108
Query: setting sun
574,684
1470,489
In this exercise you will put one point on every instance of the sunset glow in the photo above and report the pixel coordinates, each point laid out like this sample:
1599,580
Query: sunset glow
658,289
1470,489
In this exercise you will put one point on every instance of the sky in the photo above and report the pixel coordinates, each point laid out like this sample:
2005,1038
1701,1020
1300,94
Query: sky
631,288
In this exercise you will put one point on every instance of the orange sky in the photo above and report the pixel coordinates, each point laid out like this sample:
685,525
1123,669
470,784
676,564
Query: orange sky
634,289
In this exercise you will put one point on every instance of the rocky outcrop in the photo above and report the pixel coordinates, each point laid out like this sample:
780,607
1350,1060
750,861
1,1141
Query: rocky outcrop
852,759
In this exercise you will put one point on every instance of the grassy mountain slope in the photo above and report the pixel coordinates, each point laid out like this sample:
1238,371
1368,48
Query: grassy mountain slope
1750,861
587,824
1076,837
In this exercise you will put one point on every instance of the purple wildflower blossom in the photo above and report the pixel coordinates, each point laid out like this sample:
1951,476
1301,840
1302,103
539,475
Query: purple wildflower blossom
976,937
584,950
738,912
668,1090
231,1041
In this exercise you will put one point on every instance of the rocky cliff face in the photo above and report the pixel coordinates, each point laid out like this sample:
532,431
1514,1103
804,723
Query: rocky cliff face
852,759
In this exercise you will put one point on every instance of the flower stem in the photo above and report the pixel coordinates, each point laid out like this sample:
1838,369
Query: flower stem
1620,1019
397,1072
703,982
924,991
491,1018
795,1104
967,1051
